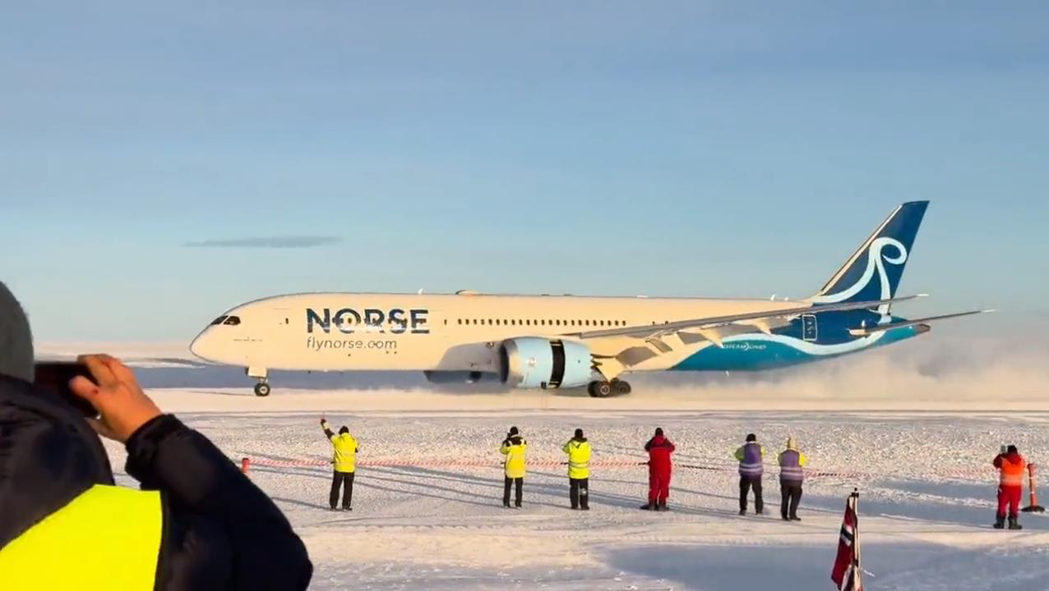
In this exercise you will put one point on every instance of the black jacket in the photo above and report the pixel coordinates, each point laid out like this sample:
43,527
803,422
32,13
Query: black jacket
220,530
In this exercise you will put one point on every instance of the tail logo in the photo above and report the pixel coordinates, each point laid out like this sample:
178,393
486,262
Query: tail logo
876,261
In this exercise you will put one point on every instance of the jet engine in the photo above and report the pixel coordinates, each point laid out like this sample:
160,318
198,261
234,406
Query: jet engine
534,362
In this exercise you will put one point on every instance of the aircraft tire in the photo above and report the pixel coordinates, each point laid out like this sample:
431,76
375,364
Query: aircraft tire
600,389
621,388
262,389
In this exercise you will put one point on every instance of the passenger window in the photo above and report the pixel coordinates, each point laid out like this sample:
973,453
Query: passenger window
232,321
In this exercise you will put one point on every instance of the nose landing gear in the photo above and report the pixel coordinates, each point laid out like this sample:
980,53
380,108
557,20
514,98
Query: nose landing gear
262,388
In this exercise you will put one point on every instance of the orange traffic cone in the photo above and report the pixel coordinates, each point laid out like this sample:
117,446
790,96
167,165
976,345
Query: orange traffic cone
1034,507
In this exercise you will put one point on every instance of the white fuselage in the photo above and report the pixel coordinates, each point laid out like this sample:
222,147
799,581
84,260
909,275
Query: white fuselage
441,332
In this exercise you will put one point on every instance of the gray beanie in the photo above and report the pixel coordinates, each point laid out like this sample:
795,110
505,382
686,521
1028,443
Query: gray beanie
16,340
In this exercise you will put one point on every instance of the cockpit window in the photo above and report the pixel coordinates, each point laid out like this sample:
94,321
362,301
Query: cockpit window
232,321
219,320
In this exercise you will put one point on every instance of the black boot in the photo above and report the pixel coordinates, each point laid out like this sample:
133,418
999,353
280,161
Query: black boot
999,522
648,507
1014,524
662,506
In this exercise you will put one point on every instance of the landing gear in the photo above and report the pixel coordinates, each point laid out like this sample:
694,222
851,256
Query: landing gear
259,373
606,389
599,389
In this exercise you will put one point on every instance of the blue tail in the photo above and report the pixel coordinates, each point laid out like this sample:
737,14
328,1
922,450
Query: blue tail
874,271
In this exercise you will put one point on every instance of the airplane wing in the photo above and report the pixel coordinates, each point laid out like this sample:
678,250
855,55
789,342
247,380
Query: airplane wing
699,324
618,349
869,330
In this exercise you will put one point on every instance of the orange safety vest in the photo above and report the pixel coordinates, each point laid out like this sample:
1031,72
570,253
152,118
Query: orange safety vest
1012,474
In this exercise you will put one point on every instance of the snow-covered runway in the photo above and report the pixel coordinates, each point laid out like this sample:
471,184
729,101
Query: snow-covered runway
926,505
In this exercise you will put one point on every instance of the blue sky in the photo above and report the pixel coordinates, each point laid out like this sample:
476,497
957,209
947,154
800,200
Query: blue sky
151,155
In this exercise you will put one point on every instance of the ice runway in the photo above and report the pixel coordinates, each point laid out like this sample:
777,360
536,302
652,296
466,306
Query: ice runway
926,504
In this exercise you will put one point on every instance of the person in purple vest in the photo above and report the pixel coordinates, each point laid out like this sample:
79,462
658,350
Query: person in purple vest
750,470
791,476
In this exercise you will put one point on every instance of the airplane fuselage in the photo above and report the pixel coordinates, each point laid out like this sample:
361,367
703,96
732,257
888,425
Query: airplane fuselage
461,332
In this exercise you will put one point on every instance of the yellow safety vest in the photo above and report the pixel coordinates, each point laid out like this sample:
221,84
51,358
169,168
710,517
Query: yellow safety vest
107,538
345,459
515,459
578,459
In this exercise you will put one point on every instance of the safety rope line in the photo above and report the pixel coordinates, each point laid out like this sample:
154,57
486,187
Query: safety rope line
396,463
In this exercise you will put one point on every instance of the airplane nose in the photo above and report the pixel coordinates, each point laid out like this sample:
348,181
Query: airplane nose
204,346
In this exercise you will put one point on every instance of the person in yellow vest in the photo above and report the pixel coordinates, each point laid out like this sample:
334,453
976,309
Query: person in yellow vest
196,523
514,466
578,450
344,459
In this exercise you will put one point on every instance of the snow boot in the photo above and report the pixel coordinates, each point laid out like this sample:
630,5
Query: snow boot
742,511
648,507
999,522
795,518
1014,524
662,507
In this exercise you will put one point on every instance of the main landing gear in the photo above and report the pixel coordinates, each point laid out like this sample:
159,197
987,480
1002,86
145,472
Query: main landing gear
606,389
262,388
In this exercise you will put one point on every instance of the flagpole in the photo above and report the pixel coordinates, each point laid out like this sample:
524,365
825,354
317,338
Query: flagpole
857,569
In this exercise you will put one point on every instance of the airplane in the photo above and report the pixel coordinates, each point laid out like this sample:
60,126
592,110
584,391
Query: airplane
564,341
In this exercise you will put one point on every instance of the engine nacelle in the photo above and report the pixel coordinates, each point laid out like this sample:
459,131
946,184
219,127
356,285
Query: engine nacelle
534,362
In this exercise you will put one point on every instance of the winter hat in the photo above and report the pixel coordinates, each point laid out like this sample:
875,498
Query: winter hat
344,430
513,431
1012,449
659,431
578,433
16,340
752,437
792,444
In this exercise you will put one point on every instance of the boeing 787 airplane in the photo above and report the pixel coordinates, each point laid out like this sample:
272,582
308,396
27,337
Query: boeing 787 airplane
562,341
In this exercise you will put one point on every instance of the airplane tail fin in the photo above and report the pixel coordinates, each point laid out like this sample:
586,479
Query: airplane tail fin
874,271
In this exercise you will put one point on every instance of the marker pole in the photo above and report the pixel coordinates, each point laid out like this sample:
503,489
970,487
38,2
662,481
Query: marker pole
1034,507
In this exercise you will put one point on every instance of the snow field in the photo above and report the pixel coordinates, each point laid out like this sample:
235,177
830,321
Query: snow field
926,504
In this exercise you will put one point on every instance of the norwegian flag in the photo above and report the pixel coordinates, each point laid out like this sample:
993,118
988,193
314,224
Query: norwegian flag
847,574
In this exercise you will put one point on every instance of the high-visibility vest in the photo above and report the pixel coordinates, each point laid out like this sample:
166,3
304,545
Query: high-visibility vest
1012,474
107,538
791,466
514,465
578,459
749,457
345,456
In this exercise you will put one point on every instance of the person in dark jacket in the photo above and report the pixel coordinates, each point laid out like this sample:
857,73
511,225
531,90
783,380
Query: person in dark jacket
197,523
751,467
660,468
